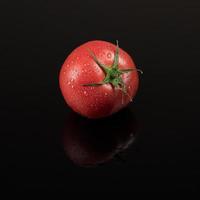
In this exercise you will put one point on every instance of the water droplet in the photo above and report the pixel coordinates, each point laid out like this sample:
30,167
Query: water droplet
72,86
109,55
85,93
83,70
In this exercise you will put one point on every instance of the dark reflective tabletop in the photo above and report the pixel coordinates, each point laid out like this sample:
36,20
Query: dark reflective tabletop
153,145
93,142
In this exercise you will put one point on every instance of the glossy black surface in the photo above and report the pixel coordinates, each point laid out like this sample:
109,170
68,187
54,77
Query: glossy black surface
163,38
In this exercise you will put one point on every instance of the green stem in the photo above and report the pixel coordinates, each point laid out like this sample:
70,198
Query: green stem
112,73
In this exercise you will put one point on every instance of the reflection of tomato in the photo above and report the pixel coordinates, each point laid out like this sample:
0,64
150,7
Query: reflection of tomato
91,142
98,79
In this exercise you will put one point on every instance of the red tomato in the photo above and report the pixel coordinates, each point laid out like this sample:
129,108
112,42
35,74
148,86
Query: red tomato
98,79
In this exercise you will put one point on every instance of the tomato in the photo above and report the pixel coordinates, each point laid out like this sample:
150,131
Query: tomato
98,79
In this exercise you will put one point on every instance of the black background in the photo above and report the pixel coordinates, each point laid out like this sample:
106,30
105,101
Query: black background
162,36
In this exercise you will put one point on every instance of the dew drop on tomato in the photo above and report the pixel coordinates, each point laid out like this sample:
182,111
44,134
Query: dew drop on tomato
109,55
85,93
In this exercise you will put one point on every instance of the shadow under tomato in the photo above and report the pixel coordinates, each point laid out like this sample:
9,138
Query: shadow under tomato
91,142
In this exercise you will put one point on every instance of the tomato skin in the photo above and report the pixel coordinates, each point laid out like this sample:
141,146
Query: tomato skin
80,68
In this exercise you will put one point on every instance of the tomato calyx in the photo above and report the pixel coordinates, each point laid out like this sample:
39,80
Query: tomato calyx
112,73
